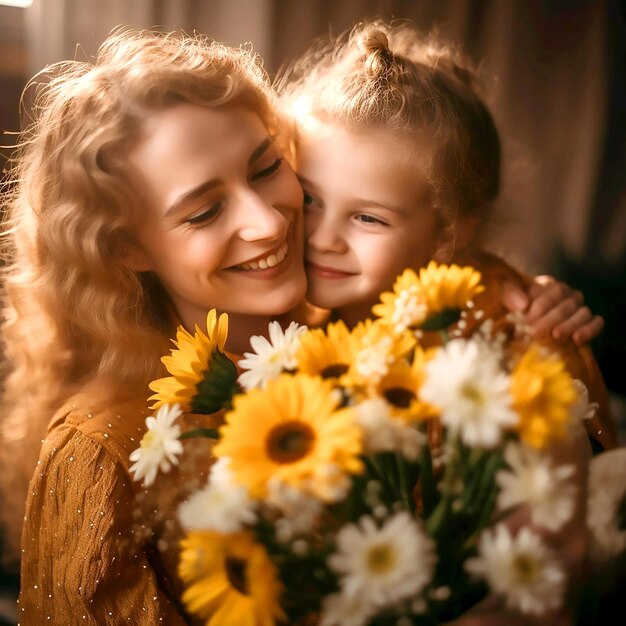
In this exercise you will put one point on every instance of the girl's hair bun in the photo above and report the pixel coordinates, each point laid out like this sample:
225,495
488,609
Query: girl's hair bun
374,44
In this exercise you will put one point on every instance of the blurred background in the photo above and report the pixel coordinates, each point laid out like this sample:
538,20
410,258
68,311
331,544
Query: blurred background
555,73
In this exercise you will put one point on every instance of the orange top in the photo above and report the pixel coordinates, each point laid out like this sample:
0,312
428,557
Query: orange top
98,548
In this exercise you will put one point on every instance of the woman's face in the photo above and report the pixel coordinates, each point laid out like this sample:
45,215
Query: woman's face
222,221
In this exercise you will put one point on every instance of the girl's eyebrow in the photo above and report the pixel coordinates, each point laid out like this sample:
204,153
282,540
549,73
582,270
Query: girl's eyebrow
385,207
202,188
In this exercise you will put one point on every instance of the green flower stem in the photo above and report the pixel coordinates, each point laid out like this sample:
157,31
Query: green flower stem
405,493
429,491
439,515
210,433
373,463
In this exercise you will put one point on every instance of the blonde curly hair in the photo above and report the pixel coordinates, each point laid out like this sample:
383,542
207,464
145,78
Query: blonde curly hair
73,310
388,75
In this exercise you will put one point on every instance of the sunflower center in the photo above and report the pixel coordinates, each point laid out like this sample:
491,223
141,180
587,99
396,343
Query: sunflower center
236,574
380,559
335,370
399,397
526,568
289,442
471,392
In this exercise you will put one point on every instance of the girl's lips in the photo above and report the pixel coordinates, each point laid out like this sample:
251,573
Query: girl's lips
323,271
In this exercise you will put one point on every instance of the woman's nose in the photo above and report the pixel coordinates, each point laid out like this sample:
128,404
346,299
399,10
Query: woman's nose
260,219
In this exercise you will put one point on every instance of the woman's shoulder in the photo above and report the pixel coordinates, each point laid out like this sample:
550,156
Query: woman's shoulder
115,422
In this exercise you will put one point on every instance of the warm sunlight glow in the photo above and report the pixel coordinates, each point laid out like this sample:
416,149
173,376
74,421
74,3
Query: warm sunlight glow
22,4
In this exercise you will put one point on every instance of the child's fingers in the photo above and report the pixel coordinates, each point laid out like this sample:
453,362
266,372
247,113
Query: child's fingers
576,320
513,297
553,296
543,324
589,331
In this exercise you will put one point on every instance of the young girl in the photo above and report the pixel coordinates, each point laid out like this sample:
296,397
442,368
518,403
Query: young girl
150,188
400,162
399,159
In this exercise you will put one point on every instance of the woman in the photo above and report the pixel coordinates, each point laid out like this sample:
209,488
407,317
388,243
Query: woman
125,165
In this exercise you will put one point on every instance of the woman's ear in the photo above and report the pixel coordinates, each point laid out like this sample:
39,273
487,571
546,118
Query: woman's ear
456,238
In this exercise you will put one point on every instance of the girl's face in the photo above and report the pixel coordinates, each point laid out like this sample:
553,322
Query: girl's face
366,211
222,213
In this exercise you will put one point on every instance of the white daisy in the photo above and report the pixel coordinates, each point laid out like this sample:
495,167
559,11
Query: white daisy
221,506
409,309
341,610
532,480
465,381
270,358
372,361
582,408
521,569
160,445
299,511
607,491
386,564
383,433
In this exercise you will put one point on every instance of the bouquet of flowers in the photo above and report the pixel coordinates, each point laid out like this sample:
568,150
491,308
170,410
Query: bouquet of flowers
361,477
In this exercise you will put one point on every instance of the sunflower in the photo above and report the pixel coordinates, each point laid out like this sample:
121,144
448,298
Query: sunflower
543,395
202,377
325,353
433,300
230,580
291,431
374,350
400,388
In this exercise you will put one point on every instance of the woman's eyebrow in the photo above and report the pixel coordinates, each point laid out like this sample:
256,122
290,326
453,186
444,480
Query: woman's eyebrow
215,182
260,150
196,192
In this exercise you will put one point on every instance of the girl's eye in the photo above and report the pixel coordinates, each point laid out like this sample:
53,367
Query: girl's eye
310,202
268,171
370,219
205,216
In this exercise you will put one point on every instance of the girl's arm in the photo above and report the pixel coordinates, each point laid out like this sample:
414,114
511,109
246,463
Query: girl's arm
552,308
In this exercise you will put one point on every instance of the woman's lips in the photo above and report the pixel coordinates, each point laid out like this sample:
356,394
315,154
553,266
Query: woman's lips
324,271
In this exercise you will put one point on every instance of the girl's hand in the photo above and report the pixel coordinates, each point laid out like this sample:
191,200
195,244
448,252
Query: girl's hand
553,308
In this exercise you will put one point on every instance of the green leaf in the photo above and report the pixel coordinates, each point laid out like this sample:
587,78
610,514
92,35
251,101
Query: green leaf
218,386
210,433
441,320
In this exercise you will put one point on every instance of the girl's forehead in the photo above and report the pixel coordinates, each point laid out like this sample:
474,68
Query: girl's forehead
340,163
397,153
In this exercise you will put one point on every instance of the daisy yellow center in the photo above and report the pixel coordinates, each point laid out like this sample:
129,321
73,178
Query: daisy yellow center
399,397
334,371
381,559
236,574
150,441
289,442
471,392
526,567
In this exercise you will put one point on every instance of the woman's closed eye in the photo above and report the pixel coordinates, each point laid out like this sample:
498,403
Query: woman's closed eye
206,215
268,171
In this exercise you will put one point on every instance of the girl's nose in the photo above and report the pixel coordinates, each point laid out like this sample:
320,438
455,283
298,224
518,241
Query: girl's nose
323,234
